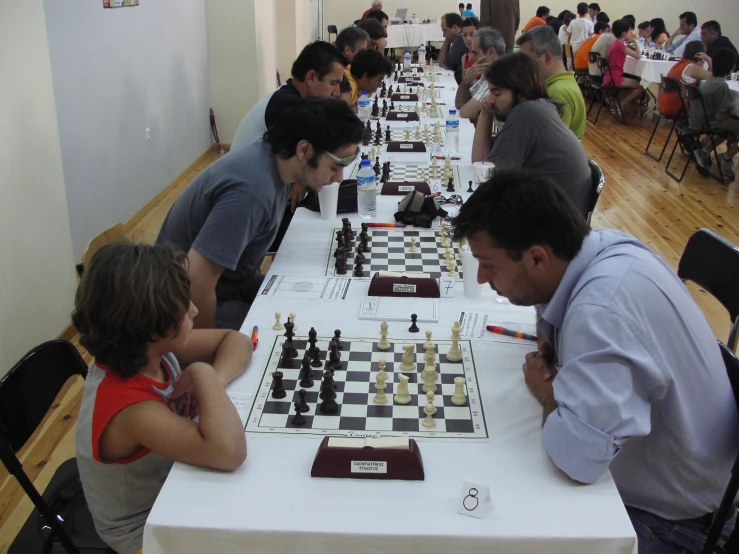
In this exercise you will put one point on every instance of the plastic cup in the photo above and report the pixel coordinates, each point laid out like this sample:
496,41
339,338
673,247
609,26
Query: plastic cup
482,171
472,289
328,200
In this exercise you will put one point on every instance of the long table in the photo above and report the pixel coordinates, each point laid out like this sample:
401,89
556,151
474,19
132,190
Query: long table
734,92
271,504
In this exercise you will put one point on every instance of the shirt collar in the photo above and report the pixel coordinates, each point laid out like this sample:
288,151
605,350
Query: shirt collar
554,312
560,77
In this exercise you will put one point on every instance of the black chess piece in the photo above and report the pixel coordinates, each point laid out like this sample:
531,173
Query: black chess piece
388,135
470,188
329,405
289,333
341,254
364,227
316,358
327,386
341,265
301,400
306,373
383,113
278,389
392,106
286,361
340,242
450,185
334,358
337,339
376,167
298,418
360,257
378,128
363,246
413,328
312,339
358,269
378,140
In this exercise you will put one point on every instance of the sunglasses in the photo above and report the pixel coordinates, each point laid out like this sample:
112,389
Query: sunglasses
453,199
344,162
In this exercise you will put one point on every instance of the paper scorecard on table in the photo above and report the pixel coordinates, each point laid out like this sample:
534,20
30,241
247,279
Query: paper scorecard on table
474,325
242,402
322,288
399,309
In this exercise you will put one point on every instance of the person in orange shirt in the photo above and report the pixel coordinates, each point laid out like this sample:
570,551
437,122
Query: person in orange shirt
581,57
690,70
539,19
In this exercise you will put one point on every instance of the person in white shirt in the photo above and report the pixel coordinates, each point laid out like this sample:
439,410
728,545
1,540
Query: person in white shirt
581,28
686,32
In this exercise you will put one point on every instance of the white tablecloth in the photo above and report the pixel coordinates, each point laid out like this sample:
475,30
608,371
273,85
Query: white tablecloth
412,36
734,92
272,505
650,71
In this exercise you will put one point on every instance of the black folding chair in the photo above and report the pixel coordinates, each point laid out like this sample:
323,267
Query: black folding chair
668,85
689,138
598,181
731,546
61,521
332,30
609,93
594,84
712,263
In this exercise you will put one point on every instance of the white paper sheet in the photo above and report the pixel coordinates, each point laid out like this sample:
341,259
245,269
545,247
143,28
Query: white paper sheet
474,323
400,309
322,288
242,402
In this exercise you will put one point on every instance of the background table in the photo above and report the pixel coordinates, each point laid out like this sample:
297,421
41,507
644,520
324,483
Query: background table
412,36
271,504
649,71
734,91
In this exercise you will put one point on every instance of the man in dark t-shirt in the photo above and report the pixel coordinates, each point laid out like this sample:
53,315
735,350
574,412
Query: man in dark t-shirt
713,39
454,48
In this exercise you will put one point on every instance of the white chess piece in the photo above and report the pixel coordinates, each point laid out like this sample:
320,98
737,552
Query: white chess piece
384,344
455,354
408,362
430,397
382,364
402,397
428,421
418,133
292,319
413,248
453,272
380,385
407,134
459,398
428,339
428,376
278,324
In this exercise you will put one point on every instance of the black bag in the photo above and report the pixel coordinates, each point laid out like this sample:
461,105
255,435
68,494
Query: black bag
419,210
347,202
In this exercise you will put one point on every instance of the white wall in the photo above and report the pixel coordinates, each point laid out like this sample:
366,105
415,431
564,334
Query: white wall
116,73
243,58
37,279
293,20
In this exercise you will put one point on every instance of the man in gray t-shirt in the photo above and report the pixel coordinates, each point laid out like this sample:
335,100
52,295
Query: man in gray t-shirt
228,216
533,136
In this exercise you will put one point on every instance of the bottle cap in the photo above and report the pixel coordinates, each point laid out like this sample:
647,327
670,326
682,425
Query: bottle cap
361,92
366,162
452,112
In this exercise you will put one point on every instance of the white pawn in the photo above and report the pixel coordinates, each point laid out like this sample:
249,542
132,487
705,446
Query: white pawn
278,324
430,397
292,319
428,340
413,248
402,397
418,133
459,398
407,134
453,272
380,385
408,362
428,421
455,354
384,344
382,364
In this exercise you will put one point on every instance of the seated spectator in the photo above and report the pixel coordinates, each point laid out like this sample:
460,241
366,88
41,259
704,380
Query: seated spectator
539,19
718,103
689,70
564,32
643,31
581,28
369,68
453,49
542,43
628,373
593,11
381,17
377,34
602,16
468,11
601,47
617,54
376,5
533,135
461,9
581,58
712,38
686,32
658,34
350,41
487,45
469,28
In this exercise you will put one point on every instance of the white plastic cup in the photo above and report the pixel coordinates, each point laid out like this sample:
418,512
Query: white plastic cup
472,289
328,200
482,171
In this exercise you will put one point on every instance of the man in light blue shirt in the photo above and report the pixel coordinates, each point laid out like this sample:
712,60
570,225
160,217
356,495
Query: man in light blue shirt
686,32
630,376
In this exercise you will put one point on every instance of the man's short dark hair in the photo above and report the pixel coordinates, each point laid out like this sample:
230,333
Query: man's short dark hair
690,18
600,27
712,27
461,5
519,73
594,6
469,5
520,208
562,14
328,124
318,56
373,27
569,16
378,15
351,37
631,19
582,9
453,19
471,22
619,27
643,26
724,62
370,63
603,16
541,11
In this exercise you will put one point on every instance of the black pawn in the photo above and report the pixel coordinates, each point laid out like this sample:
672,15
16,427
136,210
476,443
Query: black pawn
365,228
298,418
413,328
388,135
450,185
334,358
306,373
278,389
341,265
358,270
470,188
337,339
303,404
316,359
363,247
376,167
360,257
378,128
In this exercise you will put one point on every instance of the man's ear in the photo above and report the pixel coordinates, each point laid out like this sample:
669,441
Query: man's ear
310,76
303,151
540,257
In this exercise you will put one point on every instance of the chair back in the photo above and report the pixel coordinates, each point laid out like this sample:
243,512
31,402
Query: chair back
569,59
691,94
598,181
605,68
333,30
29,389
109,236
593,57
668,84
712,263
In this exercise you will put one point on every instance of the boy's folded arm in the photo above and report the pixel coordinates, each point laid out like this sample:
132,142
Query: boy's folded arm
229,352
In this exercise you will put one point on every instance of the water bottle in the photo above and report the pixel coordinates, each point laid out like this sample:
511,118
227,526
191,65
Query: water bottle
363,105
366,191
413,19
407,61
452,131
642,45
422,54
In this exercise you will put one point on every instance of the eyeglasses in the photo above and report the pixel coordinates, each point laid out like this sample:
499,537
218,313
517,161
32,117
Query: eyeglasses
344,162
453,199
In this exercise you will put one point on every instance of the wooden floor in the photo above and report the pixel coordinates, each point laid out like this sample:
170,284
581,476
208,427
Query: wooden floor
639,198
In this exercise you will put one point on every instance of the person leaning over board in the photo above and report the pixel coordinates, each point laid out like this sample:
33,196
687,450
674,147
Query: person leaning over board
226,219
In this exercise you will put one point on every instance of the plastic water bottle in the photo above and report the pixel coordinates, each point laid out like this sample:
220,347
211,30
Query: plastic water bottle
452,131
364,106
407,61
366,191
422,54
642,45
414,19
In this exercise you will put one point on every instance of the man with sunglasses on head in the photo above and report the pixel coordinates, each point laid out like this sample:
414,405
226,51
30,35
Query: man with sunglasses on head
229,215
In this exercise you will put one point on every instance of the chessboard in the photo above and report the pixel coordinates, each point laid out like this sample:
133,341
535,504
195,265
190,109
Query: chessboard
420,172
354,384
435,114
389,250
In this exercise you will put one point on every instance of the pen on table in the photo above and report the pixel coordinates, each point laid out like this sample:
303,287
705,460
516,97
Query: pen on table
398,225
452,158
255,337
509,333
